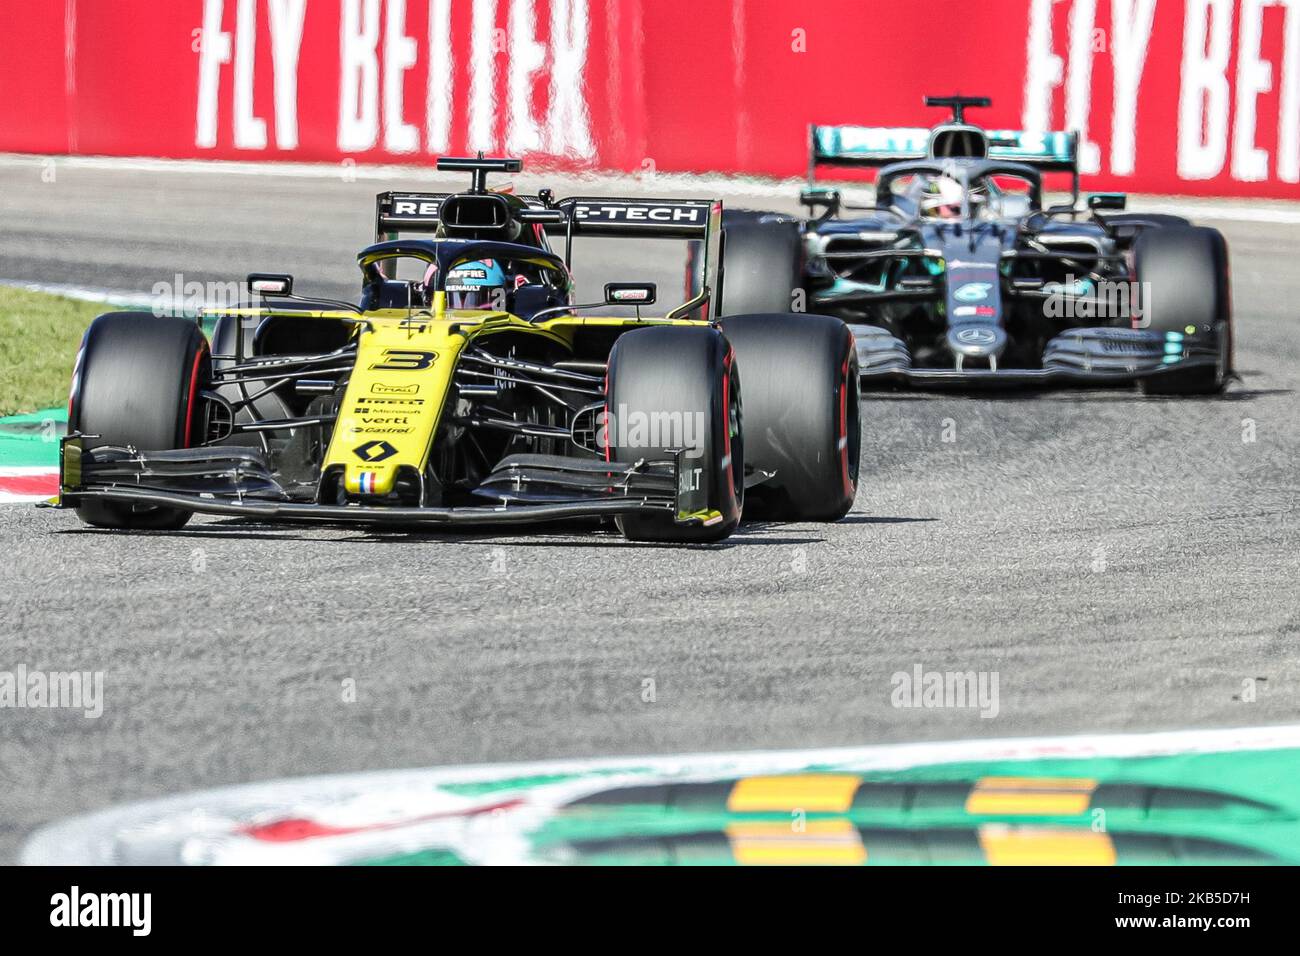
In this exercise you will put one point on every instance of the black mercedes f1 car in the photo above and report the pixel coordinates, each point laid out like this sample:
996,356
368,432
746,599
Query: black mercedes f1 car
958,275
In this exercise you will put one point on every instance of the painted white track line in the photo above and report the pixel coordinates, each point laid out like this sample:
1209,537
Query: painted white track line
110,297
1278,211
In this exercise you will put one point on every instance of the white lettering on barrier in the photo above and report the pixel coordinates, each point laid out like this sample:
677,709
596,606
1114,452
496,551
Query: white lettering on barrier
1131,23
358,76
1217,116
214,52
483,76
442,64
1203,99
568,123
399,56
1288,134
1254,76
1078,87
286,18
526,58
376,55
1044,71
250,131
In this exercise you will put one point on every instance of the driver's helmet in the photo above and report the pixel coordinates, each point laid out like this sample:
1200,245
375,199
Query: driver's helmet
476,285
942,198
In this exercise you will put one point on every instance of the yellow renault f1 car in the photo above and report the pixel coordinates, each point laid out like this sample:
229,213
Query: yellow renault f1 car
436,401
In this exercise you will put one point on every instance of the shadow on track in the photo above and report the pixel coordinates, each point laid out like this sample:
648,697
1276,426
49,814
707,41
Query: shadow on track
541,536
236,530
879,519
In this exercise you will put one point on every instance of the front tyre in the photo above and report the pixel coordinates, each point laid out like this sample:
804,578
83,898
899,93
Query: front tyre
802,414
672,387
138,382
1184,277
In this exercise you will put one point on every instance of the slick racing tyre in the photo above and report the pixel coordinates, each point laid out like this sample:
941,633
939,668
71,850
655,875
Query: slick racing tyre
762,263
1183,273
686,375
802,414
137,382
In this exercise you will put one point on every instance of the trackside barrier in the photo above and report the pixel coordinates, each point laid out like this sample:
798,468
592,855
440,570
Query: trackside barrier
1175,96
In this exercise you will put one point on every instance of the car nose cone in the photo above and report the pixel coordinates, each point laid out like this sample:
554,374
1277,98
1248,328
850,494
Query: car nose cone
977,341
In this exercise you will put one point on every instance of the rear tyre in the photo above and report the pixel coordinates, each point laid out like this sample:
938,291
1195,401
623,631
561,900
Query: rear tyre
1184,274
138,382
802,414
762,263
679,374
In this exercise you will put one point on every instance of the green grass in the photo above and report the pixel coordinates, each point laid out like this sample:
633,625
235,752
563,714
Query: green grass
39,335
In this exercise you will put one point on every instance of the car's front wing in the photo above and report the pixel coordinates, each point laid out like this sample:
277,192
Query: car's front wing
236,483
1077,357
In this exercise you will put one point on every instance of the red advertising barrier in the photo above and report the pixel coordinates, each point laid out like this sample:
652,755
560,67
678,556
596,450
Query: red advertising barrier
1171,96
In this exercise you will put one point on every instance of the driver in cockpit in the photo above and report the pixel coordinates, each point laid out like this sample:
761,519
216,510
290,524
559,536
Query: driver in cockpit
941,198
479,285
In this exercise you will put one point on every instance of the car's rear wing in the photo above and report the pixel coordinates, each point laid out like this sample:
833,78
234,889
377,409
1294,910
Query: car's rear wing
865,146
629,218
403,212
876,146
1052,152
638,218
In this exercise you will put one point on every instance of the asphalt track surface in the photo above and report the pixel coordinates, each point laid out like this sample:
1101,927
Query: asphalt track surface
1120,563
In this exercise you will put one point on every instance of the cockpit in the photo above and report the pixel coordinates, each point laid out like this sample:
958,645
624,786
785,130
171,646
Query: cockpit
956,190
472,276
